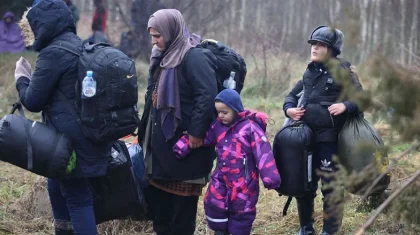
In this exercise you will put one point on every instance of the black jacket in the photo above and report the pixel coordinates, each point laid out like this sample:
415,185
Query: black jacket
198,88
56,70
321,90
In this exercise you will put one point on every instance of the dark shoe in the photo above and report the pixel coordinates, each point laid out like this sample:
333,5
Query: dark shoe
332,219
63,232
306,210
307,230
221,233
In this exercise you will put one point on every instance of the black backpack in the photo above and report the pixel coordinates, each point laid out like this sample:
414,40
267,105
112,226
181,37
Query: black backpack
228,60
112,113
292,150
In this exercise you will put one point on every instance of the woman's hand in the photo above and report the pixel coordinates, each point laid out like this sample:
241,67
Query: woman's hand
295,113
337,109
195,142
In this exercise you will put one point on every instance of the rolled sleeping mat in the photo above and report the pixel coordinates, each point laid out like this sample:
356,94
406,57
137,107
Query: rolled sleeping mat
34,146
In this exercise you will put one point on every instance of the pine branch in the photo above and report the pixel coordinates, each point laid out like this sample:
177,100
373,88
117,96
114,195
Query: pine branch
386,203
390,166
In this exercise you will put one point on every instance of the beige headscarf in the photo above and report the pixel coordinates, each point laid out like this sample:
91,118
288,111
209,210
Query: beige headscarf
171,25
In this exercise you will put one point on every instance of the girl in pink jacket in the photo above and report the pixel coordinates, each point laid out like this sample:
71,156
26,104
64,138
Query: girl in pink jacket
243,154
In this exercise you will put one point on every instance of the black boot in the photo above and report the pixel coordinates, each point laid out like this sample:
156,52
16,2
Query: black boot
221,233
63,232
333,217
306,210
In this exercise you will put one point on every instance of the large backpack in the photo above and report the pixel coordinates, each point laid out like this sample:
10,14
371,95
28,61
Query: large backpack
228,60
112,113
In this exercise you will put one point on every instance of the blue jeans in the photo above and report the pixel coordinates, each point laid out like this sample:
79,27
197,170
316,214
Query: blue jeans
72,206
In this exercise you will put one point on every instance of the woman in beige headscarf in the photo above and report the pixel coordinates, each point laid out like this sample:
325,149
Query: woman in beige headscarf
179,99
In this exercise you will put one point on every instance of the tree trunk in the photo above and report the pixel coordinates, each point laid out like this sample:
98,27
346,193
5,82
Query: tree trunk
371,24
364,4
413,32
376,27
243,14
305,28
402,28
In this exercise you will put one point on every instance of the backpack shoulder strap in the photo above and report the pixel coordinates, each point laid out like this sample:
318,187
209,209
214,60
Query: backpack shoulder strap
67,46
69,105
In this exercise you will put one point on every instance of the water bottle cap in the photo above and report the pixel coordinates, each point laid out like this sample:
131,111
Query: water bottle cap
232,73
89,73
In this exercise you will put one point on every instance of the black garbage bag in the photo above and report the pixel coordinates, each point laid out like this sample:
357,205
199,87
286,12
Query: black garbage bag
293,153
361,151
34,146
118,195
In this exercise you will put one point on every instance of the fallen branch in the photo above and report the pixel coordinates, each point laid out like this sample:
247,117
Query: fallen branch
386,203
390,166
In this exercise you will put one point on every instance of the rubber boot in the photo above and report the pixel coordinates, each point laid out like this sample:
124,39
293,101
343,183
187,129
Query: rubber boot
63,232
332,219
306,210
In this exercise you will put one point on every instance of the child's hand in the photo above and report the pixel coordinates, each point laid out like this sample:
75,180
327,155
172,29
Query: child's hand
295,113
195,142
337,109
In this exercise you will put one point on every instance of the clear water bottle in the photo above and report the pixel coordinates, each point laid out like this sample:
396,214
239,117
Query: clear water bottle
230,83
88,86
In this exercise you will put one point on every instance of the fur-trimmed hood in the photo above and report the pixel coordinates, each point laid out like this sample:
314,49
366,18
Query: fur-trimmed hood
27,33
45,21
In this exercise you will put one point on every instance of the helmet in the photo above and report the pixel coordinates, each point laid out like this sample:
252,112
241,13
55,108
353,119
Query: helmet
332,37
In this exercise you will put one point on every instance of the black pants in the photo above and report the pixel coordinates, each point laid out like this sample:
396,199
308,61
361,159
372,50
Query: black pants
171,214
333,196
322,162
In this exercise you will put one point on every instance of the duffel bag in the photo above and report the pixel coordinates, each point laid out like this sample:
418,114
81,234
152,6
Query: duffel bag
34,146
293,154
118,195
361,151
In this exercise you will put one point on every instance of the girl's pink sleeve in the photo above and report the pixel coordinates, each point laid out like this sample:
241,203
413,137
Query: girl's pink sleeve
264,158
181,148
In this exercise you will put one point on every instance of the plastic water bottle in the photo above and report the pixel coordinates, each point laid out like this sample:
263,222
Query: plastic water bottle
230,83
88,86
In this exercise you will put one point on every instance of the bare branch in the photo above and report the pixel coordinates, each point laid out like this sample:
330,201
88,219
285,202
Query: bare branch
386,203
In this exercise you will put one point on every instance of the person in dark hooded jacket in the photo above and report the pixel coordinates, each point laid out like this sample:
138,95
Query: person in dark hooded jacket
56,70
322,112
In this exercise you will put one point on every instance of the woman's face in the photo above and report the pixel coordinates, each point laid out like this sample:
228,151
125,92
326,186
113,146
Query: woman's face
157,39
319,52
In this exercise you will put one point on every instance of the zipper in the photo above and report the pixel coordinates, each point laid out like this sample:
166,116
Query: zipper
246,167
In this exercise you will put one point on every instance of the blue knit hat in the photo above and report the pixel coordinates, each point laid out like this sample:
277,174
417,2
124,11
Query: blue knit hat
232,99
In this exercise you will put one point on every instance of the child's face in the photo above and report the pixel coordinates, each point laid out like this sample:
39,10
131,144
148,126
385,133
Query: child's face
225,114
319,52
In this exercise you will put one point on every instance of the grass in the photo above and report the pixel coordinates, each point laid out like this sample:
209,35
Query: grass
24,207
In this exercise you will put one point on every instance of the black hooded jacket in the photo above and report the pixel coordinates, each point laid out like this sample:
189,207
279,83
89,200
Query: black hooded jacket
321,90
56,70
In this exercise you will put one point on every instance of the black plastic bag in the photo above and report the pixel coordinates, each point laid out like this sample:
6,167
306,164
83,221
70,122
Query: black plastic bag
293,153
118,195
361,151
34,146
